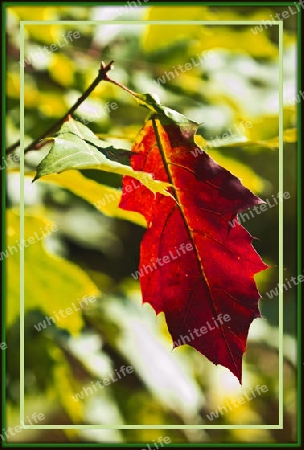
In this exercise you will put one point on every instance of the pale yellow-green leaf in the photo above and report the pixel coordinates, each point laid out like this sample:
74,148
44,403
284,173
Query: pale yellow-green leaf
234,39
77,146
204,37
51,283
266,126
246,141
106,199
289,136
158,36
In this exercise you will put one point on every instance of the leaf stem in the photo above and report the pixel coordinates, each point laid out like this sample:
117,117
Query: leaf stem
102,76
122,86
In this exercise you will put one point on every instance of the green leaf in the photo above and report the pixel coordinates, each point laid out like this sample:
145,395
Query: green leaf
151,102
78,129
76,147
51,283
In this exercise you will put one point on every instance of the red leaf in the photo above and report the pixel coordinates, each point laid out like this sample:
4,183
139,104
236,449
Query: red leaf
194,266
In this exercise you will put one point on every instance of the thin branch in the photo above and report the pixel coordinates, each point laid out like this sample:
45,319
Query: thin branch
102,76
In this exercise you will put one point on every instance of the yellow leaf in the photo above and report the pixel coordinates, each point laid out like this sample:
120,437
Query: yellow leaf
33,13
235,39
43,33
106,199
67,385
205,38
157,36
51,283
266,127
62,69
52,104
289,136
46,34
13,85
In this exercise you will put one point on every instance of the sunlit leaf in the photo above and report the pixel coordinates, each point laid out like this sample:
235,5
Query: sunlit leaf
47,34
289,136
106,199
157,36
51,283
194,285
72,148
236,39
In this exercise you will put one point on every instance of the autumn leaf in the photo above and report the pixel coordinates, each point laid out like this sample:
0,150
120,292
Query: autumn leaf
195,266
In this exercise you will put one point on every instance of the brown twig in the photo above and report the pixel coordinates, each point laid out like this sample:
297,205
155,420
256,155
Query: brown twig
102,76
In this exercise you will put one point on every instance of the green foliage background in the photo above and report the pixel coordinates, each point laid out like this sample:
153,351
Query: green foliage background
96,247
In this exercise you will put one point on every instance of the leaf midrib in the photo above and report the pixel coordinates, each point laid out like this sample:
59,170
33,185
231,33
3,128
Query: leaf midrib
189,231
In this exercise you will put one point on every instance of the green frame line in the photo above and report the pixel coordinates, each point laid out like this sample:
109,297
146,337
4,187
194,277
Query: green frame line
136,444
165,427
3,233
281,234
299,234
21,226
162,4
150,22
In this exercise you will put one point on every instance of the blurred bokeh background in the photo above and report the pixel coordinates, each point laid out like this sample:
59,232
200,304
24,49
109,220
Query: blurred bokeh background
233,80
